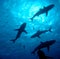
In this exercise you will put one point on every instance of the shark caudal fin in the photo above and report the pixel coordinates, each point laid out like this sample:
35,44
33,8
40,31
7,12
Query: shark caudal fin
13,40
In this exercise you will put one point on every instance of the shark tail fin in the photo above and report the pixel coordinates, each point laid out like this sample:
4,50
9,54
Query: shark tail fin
13,40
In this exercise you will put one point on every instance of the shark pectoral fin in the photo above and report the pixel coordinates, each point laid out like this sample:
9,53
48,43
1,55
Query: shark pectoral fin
31,19
46,13
41,42
44,7
38,36
13,40
25,31
50,29
48,48
16,29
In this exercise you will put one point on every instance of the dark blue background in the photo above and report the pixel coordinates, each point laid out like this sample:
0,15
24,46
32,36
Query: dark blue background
13,13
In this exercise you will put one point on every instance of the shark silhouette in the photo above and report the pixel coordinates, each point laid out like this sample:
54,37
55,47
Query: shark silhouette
44,10
38,33
44,45
20,30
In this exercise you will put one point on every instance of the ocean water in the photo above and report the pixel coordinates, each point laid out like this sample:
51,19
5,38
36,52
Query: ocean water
13,13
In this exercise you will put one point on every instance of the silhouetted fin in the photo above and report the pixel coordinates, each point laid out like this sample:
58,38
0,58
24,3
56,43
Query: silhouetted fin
48,48
44,7
46,13
16,29
50,29
25,31
38,36
40,9
13,40
31,19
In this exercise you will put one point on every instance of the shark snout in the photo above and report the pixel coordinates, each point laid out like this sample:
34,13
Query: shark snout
52,5
24,24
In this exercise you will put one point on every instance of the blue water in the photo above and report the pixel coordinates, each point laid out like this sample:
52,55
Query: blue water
15,12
